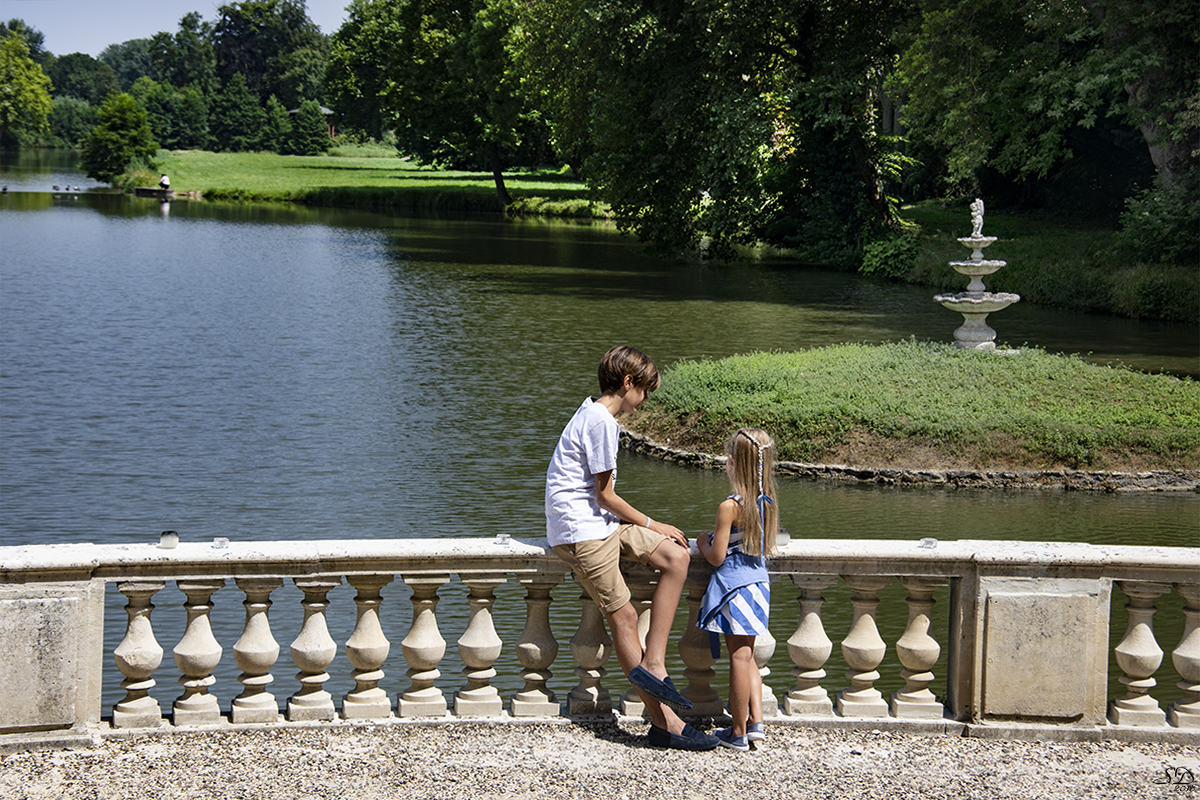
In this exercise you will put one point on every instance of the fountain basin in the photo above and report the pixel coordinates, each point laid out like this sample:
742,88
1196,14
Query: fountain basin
977,243
975,333
975,269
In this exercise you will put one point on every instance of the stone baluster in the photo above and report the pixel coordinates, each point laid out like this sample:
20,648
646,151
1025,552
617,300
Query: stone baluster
197,655
642,583
1139,657
696,652
918,652
809,648
590,647
863,650
138,656
479,647
367,649
764,651
536,651
1185,712
423,649
255,654
313,650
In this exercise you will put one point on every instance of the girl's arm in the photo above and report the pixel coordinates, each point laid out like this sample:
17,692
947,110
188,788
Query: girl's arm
608,499
727,514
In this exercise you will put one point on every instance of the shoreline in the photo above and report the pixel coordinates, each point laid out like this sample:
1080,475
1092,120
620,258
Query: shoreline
1182,480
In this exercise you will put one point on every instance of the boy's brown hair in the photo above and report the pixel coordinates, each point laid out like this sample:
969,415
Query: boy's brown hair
621,361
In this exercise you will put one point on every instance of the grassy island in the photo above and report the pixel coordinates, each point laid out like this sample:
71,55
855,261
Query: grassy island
923,405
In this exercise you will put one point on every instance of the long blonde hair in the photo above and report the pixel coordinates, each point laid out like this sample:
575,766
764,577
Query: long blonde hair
752,473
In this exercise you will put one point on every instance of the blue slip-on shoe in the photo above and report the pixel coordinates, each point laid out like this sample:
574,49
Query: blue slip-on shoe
690,739
755,732
661,690
725,738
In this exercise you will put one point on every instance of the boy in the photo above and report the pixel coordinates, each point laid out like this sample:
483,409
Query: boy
591,528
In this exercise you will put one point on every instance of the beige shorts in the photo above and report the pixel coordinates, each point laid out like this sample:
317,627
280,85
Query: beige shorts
596,563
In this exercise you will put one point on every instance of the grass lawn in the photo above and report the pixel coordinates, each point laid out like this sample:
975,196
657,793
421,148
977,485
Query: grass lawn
361,178
924,405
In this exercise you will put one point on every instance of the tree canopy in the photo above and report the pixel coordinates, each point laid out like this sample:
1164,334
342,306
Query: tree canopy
25,102
122,137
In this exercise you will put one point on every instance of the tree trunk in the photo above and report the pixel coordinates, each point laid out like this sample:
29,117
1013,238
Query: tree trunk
1172,159
870,176
498,175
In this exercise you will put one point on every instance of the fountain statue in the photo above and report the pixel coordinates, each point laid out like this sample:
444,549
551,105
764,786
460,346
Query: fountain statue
976,302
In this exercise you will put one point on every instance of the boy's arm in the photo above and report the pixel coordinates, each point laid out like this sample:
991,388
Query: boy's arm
608,499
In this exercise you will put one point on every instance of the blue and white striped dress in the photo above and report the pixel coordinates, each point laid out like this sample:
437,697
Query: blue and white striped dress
739,597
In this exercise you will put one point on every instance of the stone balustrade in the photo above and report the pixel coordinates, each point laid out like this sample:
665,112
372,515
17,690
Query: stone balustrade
1027,637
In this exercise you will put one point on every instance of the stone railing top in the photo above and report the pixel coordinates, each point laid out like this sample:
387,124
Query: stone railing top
500,554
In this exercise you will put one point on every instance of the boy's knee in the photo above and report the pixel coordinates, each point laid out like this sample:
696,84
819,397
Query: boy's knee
674,559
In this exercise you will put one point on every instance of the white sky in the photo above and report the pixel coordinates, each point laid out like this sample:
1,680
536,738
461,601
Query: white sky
89,26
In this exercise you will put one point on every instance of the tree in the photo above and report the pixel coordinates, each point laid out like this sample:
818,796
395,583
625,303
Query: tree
360,56
277,131
310,133
188,57
25,103
273,45
34,39
71,121
130,60
1004,85
122,137
236,119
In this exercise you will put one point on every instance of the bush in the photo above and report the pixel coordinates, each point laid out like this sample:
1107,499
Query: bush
1159,225
893,255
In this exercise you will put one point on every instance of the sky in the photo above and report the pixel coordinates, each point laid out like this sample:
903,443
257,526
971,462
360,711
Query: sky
89,26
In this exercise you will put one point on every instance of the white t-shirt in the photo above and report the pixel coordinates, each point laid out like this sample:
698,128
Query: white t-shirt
588,446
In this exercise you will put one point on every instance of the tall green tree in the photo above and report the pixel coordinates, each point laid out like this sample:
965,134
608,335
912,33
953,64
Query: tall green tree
25,103
71,121
187,57
360,57
35,40
79,75
130,60
273,45
310,133
236,119
122,137
277,127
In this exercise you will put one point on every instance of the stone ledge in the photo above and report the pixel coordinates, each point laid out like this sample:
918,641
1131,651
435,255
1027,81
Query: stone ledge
1181,480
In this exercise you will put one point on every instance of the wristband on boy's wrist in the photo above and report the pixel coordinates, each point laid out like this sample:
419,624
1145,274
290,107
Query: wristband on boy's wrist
648,521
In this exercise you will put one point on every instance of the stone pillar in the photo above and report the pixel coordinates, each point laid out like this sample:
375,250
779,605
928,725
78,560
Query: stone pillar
197,655
367,649
918,652
590,647
641,585
1185,712
863,650
479,647
313,650
697,656
423,649
536,651
764,650
138,656
1139,657
256,653
809,648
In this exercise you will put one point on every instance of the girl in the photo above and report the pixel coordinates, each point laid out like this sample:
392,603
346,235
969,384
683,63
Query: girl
737,602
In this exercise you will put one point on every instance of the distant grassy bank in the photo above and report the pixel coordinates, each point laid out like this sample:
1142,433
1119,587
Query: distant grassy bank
1050,264
923,405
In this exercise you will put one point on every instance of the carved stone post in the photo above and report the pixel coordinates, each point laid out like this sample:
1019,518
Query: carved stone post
255,654
423,649
697,655
479,647
313,651
367,649
809,648
918,652
590,647
764,650
197,655
642,583
863,650
1139,657
138,656
1185,712
536,651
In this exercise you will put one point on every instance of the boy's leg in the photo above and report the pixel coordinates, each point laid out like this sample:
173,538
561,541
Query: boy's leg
672,563
623,625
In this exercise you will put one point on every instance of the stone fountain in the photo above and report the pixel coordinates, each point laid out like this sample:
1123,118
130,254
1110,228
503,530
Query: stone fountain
976,302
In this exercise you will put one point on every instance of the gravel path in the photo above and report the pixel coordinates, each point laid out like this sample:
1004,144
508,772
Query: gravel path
610,761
